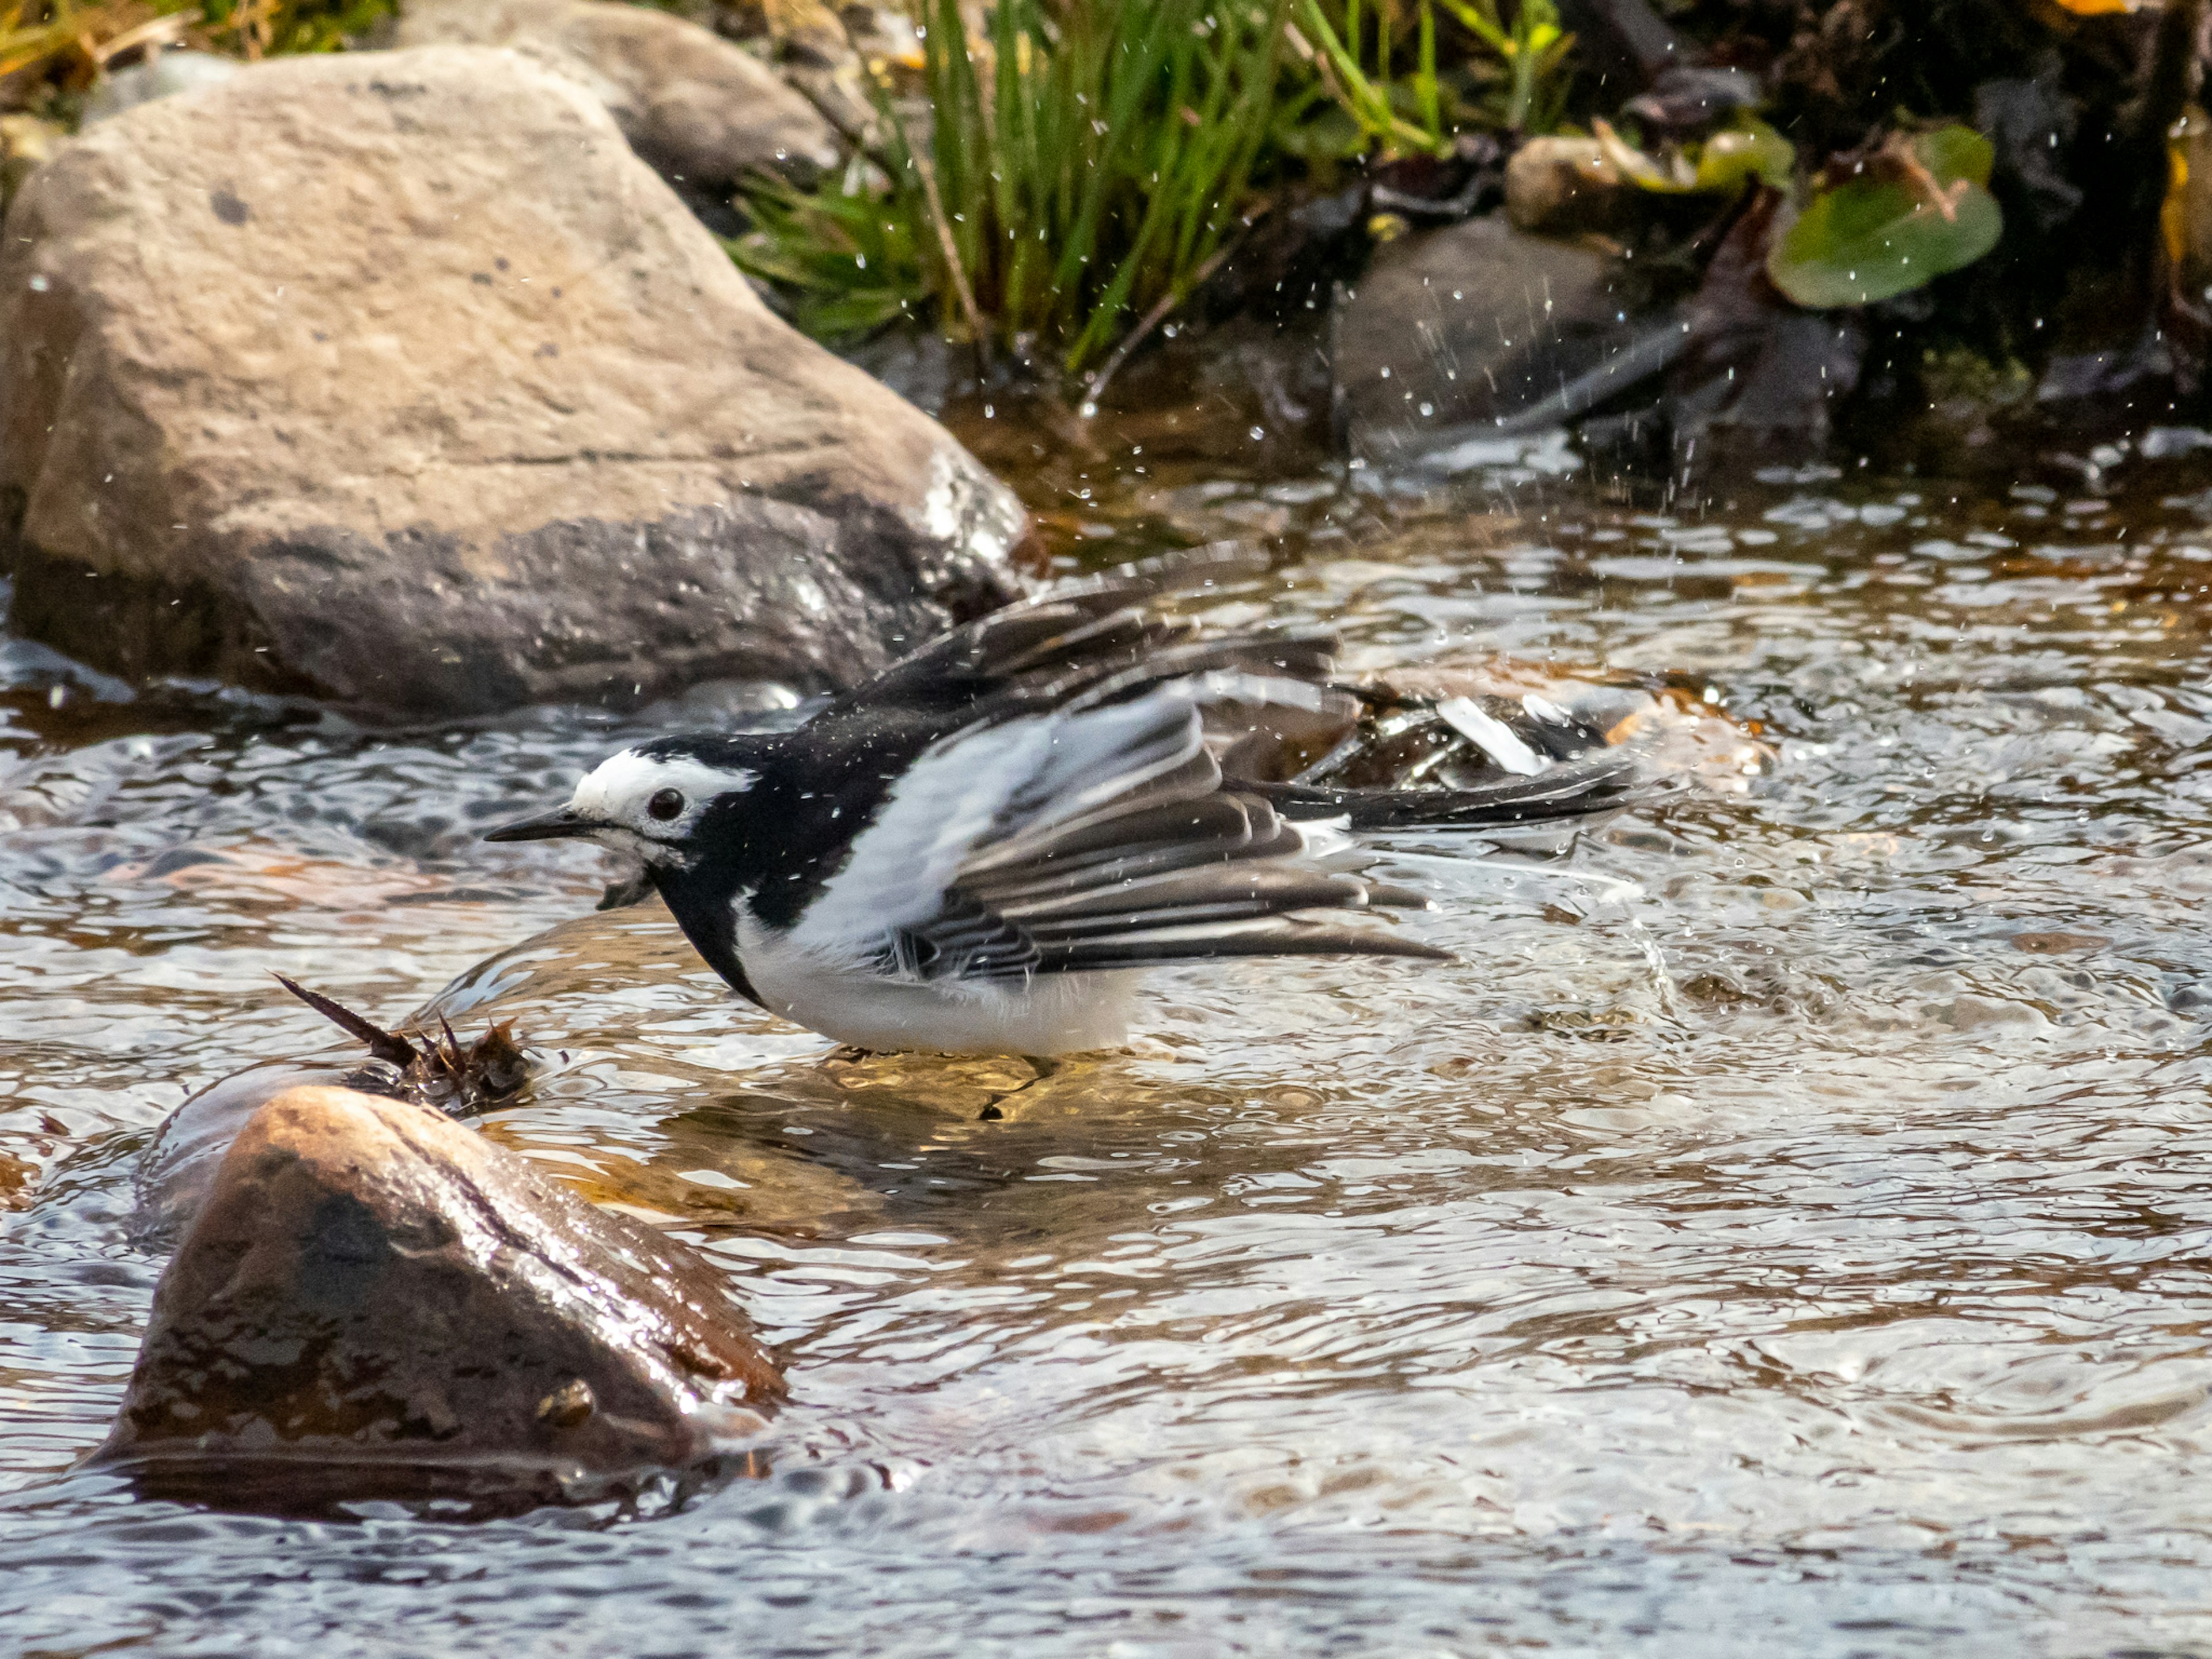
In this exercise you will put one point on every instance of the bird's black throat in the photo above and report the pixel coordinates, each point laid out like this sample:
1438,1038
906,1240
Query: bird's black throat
707,910
780,841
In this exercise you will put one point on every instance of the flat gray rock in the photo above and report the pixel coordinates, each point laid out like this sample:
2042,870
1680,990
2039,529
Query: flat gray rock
397,379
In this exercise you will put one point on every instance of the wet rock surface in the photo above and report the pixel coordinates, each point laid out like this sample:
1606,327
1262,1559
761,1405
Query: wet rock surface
1480,330
377,1302
397,379
704,112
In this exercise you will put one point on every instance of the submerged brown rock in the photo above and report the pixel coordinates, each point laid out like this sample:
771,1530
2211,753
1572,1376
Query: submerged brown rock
376,1302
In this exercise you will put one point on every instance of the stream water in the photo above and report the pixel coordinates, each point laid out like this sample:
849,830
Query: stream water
1787,1228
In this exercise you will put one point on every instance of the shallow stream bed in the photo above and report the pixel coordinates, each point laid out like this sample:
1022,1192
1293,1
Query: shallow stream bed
1787,1229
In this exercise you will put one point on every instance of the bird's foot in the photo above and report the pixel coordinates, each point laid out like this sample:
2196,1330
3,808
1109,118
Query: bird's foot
1043,1066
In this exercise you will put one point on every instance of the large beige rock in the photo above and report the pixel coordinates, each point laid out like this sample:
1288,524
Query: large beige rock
375,1300
693,105
395,378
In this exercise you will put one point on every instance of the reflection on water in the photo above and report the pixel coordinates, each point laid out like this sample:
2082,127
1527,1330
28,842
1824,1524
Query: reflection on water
1789,1222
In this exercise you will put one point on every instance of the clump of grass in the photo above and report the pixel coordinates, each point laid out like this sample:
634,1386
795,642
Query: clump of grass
1084,163
1517,81
74,42
1077,164
1532,54
276,28
847,256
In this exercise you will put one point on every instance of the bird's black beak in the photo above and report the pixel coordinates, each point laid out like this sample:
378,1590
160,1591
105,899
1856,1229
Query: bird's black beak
546,826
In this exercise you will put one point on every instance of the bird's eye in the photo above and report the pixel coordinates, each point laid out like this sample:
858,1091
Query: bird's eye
666,804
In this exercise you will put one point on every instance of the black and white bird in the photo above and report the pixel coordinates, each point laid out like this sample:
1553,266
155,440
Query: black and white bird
979,850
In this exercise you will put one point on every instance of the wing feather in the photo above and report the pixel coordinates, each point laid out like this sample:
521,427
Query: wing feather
1273,936
1251,889
1585,787
1099,836
993,789
1031,655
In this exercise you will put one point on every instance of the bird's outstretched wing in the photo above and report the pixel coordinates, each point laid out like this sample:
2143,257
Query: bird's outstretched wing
1273,716
1096,837
1100,639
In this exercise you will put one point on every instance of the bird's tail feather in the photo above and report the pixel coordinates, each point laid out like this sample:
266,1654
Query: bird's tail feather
1608,782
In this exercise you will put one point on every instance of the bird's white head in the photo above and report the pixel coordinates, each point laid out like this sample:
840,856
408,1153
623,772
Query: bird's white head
647,802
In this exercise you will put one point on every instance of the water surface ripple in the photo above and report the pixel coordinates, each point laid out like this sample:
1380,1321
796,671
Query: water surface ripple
1785,1228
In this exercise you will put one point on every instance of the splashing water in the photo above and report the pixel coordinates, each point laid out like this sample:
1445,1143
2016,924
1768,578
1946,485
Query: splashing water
1787,1222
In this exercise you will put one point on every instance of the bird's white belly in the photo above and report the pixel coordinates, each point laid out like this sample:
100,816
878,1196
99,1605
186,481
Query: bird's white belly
1052,1014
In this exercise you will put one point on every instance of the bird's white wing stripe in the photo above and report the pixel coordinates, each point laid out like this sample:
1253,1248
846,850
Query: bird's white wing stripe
1492,736
1099,744
900,865
1000,782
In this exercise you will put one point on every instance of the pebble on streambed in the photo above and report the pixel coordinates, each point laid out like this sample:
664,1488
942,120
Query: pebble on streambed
375,1302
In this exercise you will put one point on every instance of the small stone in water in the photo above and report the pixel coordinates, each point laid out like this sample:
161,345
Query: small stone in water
2056,944
569,1405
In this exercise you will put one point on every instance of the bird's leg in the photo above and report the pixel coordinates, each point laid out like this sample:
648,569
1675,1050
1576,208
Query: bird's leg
846,1054
1043,1066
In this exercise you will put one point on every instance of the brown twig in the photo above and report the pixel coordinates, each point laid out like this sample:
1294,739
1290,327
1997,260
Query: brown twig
861,139
435,1070
382,1045
1944,200
155,31
953,269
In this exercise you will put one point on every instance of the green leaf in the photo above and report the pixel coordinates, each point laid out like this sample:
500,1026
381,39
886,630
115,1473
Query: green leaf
1952,153
1751,149
846,260
1920,211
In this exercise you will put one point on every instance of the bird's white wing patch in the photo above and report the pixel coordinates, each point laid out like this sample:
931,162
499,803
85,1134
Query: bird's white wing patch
1492,736
992,787
901,864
